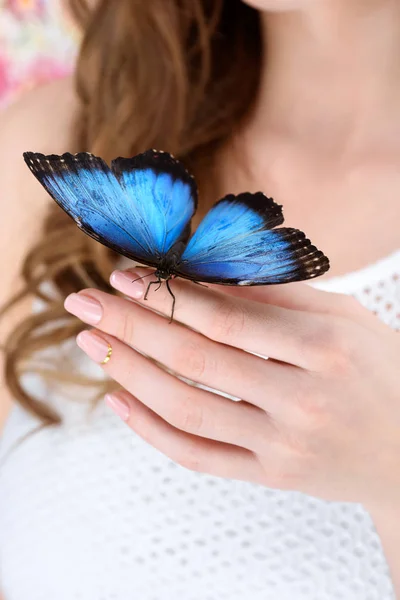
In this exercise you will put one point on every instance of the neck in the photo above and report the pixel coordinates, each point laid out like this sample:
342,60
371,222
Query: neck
331,73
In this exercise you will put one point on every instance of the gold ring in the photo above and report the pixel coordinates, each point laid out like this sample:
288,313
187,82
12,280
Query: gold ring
107,358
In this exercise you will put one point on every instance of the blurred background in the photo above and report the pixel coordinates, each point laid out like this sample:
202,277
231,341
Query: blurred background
38,43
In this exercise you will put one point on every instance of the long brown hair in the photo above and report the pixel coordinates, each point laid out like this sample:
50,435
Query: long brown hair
177,75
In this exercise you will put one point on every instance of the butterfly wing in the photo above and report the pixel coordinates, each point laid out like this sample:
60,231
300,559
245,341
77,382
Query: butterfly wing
164,194
236,245
140,207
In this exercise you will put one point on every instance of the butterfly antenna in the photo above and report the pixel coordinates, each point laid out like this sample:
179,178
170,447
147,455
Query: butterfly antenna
143,277
198,283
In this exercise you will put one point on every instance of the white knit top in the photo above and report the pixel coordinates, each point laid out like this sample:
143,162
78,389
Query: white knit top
89,511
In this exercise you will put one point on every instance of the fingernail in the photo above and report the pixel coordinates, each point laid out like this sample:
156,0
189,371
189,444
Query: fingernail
87,309
95,346
119,406
124,282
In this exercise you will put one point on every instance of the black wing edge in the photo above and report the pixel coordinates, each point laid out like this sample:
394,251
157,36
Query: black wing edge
266,207
41,164
57,163
160,162
312,262
53,165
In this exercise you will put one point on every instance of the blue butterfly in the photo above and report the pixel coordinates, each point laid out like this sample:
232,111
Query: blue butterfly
142,208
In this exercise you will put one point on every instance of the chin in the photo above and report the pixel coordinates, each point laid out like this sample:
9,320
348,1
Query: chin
279,5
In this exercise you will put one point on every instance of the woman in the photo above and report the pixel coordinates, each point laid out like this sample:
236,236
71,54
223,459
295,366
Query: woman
277,496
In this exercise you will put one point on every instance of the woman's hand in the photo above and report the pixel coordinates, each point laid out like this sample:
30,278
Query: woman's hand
321,416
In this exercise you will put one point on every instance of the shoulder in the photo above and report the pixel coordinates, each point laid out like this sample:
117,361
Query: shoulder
43,117
42,120
55,94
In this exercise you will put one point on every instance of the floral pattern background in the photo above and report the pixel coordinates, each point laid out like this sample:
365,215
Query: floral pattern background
38,42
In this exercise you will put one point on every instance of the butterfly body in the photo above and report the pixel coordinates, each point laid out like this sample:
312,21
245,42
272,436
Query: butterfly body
142,207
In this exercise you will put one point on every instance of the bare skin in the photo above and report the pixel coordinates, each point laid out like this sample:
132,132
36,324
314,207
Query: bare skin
42,121
324,141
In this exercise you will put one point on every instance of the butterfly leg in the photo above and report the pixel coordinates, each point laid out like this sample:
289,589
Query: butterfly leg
148,287
173,301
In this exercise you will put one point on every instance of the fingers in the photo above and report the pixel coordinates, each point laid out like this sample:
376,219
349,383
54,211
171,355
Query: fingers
185,407
190,451
286,335
296,296
266,384
300,296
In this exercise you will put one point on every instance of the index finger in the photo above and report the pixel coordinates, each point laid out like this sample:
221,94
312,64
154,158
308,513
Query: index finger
267,330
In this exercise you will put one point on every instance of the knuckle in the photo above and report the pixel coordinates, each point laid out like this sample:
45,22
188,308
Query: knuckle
125,328
228,320
191,459
296,445
350,306
190,359
328,348
340,360
348,302
312,422
310,402
283,473
290,464
189,416
318,340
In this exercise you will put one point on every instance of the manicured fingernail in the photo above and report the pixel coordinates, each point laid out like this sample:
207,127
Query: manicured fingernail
87,309
124,282
119,406
96,347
